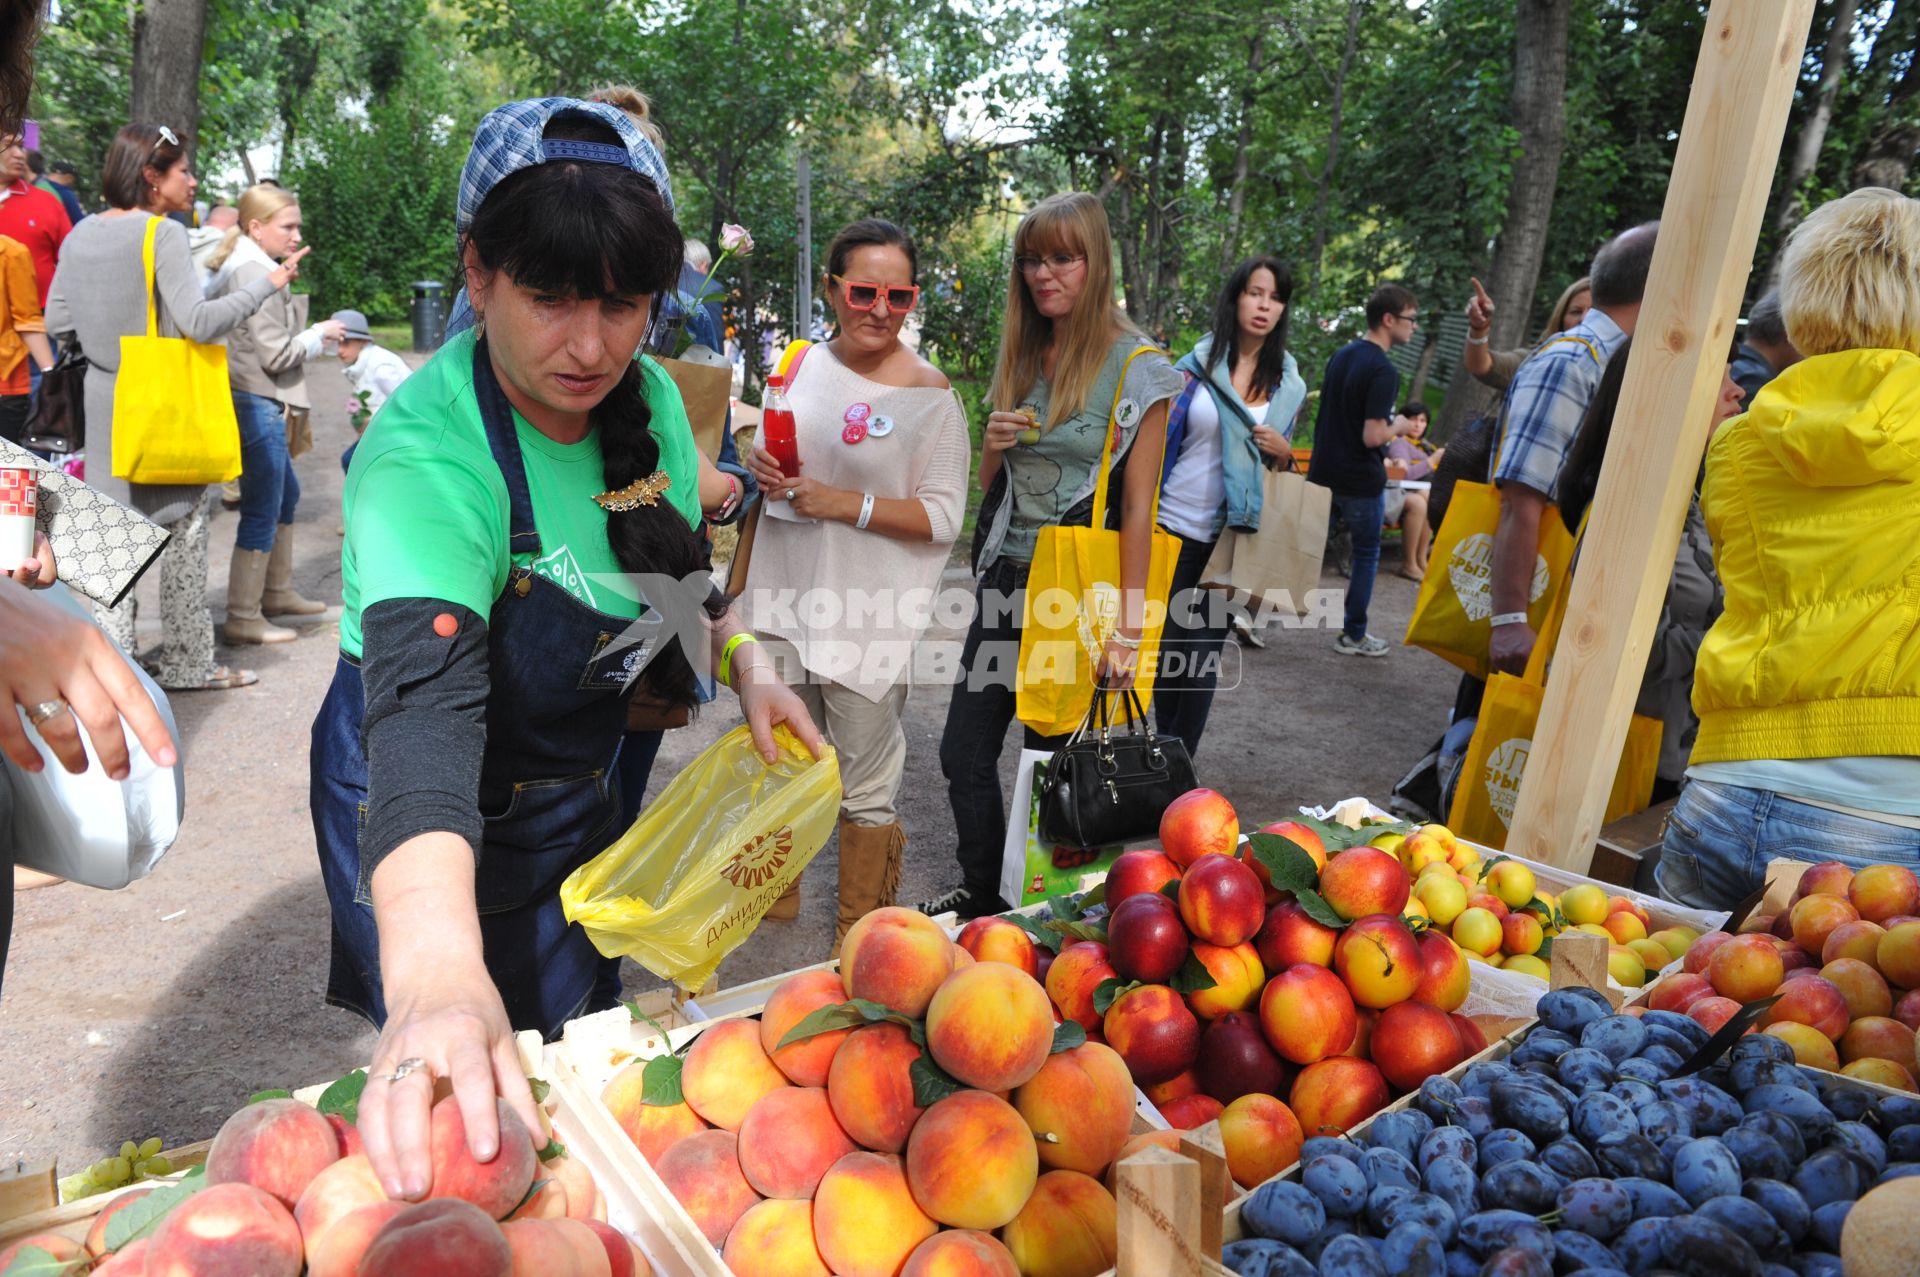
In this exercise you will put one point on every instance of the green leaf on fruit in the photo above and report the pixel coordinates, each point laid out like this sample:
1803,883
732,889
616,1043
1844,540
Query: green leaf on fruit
31,1261
1066,907
277,1093
641,1017
1080,931
553,1149
136,1221
1108,991
660,1081
540,1088
1319,910
1171,890
1486,866
1036,930
1067,1035
342,1099
931,1083
1094,895
1336,837
1192,976
1288,865
850,1015
1545,951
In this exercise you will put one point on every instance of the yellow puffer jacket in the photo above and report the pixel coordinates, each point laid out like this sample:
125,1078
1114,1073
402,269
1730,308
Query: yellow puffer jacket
1813,501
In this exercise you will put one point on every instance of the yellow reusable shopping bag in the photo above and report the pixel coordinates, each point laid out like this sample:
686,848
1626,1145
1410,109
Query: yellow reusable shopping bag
1503,737
1453,615
173,420
1073,605
694,875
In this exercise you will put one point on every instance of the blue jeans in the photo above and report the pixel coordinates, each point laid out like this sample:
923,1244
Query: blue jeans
1363,517
1190,648
1720,838
268,490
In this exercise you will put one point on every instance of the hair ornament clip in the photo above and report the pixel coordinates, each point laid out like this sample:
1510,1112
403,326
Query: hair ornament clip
638,493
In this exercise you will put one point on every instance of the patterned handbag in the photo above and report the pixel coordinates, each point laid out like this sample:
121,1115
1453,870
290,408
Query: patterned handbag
100,546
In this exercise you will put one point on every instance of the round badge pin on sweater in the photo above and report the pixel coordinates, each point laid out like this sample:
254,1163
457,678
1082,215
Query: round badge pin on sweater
854,433
880,427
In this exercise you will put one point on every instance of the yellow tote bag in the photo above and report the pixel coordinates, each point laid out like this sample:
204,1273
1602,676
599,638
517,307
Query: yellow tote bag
173,420
1453,615
1073,605
1503,737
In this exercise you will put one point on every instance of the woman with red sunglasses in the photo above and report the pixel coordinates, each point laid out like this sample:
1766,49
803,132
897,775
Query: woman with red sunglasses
849,552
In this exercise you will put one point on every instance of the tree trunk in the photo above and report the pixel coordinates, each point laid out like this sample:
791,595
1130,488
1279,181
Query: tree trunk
1539,114
167,38
1167,214
1813,134
1323,188
1424,367
1888,156
1130,286
1243,142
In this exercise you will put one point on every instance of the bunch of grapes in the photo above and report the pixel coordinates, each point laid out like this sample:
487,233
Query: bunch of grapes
134,1162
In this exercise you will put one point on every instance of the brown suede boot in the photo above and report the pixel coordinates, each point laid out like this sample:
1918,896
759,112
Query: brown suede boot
280,598
246,579
787,907
870,858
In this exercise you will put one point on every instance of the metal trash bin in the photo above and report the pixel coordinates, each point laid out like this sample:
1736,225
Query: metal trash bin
429,315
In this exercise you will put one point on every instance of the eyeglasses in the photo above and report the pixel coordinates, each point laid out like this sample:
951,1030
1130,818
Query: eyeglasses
1056,262
865,296
1410,319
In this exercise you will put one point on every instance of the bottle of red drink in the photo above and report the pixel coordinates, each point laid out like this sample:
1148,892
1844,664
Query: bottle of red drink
776,427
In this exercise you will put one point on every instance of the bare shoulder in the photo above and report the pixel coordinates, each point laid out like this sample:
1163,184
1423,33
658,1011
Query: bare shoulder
924,375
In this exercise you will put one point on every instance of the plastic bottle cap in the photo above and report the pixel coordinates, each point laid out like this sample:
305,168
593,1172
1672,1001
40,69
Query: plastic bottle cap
776,382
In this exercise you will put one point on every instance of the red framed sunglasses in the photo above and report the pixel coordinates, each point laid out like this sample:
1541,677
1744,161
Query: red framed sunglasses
863,296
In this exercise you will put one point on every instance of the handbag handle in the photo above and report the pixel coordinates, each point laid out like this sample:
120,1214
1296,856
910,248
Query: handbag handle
1556,618
1106,450
1099,716
146,262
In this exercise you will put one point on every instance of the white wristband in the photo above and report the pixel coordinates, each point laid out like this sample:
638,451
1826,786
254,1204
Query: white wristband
1509,618
866,510
1475,341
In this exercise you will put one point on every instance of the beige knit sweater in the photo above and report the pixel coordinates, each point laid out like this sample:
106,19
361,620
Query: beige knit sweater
854,602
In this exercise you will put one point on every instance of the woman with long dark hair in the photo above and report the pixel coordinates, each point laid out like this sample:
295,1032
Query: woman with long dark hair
504,513
1234,417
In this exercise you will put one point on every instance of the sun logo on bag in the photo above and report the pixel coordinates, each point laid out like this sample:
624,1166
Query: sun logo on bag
1470,572
1506,762
760,860
1099,615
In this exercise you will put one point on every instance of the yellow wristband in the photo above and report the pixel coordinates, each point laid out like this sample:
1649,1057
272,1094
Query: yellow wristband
726,655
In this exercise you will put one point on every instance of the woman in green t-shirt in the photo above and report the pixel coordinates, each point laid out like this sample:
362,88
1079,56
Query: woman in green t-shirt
520,557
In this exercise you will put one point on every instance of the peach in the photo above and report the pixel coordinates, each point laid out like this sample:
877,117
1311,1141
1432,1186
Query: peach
1079,1107
1154,1033
1479,931
275,1145
1813,1001
1191,1111
1473,1038
1068,1228
1782,928
703,1173
775,1239
1880,892
1364,880
871,1089
1678,992
1857,939
1714,1012
800,995
992,939
346,1133
1075,974
96,1242
1810,1046
1864,989
1702,951
1883,1073
1412,1042
1135,873
547,1247
1906,1009
1262,1137
1829,877
1146,940
1653,955
961,1253
1675,940
865,1219
1522,933
1819,916
61,1247
623,1257
1625,928
1307,1014
1514,884
1427,845
1758,924
1379,959
1177,1087
1237,975
1495,905
1746,968
496,1186
727,1071
789,1140
1625,967
1364,1021
1879,1037
653,1128
1199,823
1221,901
1290,936
1898,955
971,1161
129,1261
338,1251
1169,1140
335,1192
1444,973
1336,1094
990,1026
234,1227
582,1194
897,957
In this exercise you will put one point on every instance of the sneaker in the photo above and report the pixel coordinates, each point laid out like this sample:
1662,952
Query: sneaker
1245,634
963,904
1367,646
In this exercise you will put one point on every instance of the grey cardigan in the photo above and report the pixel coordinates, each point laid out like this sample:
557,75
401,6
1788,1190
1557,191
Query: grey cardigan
1694,601
265,355
98,296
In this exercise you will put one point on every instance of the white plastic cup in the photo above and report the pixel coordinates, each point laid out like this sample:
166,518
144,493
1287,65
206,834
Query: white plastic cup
19,496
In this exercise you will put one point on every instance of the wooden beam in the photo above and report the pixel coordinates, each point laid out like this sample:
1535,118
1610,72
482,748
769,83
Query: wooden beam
1743,85
1207,1147
1159,1209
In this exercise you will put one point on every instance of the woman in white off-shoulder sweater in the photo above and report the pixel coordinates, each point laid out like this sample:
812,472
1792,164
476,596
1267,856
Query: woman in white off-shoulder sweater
848,556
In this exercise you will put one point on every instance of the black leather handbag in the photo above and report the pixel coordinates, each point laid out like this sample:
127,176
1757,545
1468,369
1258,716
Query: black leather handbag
59,419
1108,785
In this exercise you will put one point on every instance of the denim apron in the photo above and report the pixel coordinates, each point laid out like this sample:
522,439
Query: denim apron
556,709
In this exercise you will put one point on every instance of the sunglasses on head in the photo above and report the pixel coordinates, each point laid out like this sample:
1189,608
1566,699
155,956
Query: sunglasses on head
863,296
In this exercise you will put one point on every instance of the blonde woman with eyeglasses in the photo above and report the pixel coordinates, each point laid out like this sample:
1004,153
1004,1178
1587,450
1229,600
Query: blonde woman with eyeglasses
1064,349
850,549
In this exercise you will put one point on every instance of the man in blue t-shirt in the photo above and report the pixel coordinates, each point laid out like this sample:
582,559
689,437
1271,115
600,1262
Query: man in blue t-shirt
1350,435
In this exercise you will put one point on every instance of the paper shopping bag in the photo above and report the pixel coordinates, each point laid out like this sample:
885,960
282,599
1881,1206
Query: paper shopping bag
1278,564
707,392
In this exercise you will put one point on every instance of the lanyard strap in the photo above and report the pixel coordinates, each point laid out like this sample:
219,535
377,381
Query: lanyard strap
1106,451
1557,614
146,261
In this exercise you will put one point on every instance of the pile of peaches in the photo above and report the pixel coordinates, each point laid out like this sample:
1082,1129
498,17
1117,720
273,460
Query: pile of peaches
1844,958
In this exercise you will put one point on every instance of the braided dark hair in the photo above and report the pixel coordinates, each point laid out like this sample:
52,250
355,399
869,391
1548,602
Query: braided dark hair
592,230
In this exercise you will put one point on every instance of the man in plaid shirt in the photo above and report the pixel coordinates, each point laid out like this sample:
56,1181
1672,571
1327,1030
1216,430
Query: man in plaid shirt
1548,398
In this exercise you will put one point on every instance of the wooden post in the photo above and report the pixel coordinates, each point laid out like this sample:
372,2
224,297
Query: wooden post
1580,961
1208,1148
1736,115
1159,1208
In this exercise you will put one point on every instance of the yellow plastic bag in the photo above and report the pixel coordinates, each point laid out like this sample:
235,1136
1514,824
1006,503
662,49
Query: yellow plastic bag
694,875
1073,606
173,419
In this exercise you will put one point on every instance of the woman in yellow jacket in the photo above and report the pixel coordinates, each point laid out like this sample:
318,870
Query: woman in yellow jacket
1808,685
